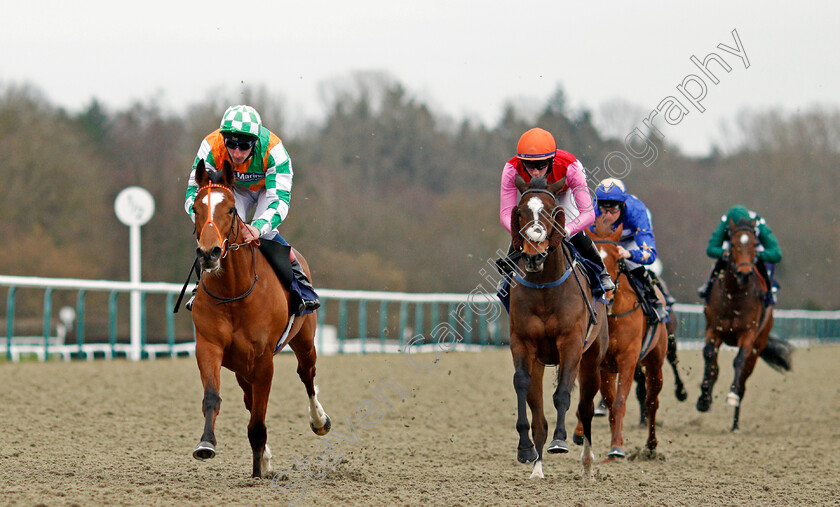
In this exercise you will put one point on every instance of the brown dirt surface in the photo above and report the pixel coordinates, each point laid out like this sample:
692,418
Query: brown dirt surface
122,433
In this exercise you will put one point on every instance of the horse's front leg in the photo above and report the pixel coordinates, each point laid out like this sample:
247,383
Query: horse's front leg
209,358
710,372
570,354
744,364
590,382
653,378
626,361
539,424
525,451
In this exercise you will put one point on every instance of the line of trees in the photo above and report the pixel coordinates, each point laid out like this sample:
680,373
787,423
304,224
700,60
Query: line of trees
389,195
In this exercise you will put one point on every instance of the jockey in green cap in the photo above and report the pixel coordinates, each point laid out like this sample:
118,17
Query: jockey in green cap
768,251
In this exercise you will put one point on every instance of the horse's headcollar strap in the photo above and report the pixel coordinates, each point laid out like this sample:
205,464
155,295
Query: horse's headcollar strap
223,241
555,240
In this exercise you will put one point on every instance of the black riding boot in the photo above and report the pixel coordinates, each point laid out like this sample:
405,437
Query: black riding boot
703,290
586,247
303,281
669,299
648,292
507,265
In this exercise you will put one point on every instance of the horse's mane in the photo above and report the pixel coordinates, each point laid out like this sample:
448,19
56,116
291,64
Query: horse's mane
215,175
538,183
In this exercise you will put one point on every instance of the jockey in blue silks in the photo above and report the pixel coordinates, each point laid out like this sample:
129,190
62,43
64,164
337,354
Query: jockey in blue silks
637,244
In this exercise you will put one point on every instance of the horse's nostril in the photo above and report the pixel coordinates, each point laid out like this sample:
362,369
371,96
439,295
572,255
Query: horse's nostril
216,252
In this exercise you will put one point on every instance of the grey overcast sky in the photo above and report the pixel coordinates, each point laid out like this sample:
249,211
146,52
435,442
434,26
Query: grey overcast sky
463,58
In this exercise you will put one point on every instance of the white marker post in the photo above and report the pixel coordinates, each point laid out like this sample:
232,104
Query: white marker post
134,207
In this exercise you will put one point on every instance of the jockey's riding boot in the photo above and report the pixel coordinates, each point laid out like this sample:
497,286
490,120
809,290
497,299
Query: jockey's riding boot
586,247
669,299
657,309
703,290
303,281
507,265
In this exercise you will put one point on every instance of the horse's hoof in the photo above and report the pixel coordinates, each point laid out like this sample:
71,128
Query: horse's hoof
601,410
322,430
577,439
527,455
733,400
617,452
559,446
681,394
204,450
703,404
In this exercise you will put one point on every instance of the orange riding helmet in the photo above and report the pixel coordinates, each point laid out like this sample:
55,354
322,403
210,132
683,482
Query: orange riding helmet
536,144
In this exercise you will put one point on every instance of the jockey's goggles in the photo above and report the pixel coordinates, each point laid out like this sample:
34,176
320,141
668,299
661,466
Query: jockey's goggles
537,164
609,206
240,145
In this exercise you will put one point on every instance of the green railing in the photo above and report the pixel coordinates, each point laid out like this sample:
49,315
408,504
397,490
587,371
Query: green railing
348,321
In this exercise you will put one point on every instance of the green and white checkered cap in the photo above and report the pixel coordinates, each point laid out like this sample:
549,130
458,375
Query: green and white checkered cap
241,120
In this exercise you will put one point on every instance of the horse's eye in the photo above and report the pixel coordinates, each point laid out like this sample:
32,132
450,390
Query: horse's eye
232,211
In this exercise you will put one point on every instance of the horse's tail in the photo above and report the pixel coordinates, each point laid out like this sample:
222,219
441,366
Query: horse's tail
778,354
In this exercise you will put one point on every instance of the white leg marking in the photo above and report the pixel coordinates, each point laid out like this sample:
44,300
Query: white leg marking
587,457
317,416
265,462
537,473
733,400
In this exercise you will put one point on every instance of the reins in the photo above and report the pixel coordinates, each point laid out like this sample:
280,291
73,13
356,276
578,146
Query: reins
227,245
621,271
223,300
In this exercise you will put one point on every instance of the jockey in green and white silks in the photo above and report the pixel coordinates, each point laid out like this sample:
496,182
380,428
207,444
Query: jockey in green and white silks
767,251
262,171
263,176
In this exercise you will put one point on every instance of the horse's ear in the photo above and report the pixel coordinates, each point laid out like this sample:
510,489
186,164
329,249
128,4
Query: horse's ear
515,235
201,176
730,224
616,235
520,184
601,228
558,221
227,174
557,186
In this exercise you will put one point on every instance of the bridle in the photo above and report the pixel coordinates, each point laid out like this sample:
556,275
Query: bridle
554,211
226,244
742,228
622,269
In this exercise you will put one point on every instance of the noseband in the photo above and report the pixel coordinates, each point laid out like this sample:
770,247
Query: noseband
554,211
750,264
224,241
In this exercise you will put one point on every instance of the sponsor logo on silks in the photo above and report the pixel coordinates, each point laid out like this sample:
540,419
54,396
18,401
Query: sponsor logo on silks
248,177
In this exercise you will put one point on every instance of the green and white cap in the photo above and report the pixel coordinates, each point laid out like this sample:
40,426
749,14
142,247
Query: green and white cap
244,120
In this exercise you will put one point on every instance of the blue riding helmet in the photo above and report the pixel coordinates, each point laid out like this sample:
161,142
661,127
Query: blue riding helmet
611,189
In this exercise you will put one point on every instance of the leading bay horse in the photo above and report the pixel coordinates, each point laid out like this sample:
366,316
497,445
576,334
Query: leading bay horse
240,312
632,346
550,325
736,315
